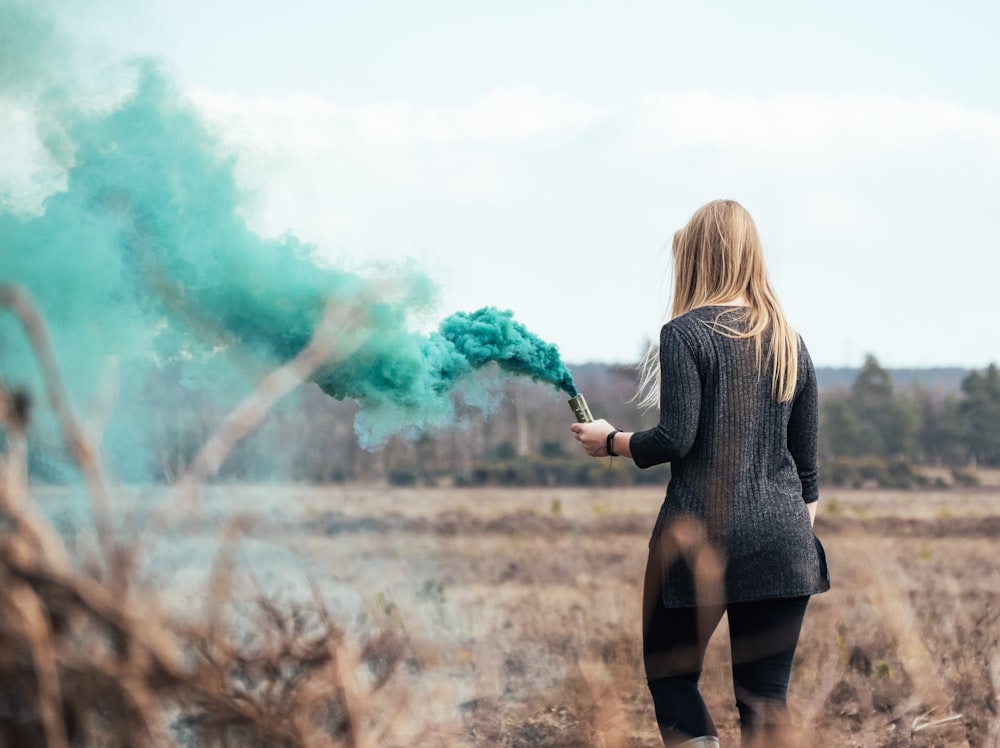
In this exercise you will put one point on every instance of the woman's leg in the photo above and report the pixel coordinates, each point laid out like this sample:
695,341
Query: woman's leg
763,635
674,642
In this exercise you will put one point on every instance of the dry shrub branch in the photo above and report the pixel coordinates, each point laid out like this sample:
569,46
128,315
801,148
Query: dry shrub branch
88,658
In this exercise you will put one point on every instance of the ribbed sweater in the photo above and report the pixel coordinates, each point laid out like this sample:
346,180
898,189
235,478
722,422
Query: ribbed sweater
741,463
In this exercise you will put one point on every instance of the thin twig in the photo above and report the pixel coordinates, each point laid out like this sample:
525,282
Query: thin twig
922,722
80,447
341,324
36,628
14,490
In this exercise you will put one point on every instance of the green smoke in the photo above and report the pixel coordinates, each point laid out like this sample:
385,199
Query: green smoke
404,381
145,256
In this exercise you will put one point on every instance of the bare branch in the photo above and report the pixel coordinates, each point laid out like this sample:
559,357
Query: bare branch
80,447
341,325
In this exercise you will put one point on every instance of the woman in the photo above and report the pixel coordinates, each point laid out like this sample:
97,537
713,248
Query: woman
738,418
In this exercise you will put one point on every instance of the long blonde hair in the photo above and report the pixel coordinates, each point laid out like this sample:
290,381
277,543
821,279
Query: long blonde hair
717,258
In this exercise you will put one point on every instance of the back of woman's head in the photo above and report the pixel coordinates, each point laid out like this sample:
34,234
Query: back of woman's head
718,258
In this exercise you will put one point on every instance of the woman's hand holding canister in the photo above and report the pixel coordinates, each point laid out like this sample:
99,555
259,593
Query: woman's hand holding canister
593,436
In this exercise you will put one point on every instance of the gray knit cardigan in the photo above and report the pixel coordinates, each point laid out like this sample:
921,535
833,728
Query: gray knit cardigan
741,464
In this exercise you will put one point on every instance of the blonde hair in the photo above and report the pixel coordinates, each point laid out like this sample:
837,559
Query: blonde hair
717,258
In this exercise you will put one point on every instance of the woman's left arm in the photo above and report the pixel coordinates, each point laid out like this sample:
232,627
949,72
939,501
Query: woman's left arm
803,426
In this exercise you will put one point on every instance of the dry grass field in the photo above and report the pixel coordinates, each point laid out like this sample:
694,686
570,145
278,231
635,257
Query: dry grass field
511,617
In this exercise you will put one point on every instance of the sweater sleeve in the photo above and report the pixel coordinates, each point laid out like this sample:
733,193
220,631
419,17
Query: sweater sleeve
680,405
802,429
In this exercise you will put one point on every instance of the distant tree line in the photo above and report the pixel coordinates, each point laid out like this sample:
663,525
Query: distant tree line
872,432
876,432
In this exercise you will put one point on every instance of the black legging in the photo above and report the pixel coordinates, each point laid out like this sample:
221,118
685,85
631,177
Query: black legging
762,634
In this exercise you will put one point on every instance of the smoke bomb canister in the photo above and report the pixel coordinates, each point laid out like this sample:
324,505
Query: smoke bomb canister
580,409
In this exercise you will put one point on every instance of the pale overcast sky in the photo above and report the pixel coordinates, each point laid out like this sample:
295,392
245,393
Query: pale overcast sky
538,156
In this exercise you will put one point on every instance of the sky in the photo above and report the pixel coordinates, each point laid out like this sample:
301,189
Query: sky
538,156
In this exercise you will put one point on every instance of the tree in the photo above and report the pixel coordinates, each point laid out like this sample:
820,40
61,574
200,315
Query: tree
905,424
872,404
941,437
839,428
871,419
979,415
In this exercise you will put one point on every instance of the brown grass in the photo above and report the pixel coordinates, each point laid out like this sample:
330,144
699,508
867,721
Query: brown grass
538,616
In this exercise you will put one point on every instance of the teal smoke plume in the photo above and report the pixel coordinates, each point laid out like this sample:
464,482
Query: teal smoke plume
144,255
